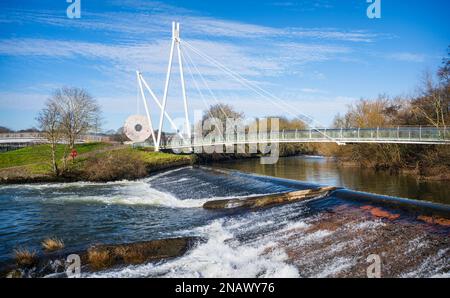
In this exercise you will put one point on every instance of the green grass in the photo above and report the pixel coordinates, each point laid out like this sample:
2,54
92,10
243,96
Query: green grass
38,157
150,158
160,158
35,161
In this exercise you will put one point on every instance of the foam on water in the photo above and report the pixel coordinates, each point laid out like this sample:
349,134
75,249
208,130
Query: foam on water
432,266
220,256
66,185
120,192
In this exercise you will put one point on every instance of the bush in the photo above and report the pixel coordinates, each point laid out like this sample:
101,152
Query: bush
52,244
114,165
25,258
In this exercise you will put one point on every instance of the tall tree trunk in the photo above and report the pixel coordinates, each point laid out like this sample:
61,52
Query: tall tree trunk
54,163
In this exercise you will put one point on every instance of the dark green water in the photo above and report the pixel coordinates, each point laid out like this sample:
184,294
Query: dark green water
326,171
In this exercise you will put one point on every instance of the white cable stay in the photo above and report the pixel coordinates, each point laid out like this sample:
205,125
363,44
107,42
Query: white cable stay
205,104
414,135
263,93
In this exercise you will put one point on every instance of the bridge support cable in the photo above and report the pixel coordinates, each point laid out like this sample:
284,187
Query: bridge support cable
255,88
190,63
214,97
205,83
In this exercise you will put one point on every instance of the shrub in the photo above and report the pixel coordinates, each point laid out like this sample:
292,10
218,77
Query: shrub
114,165
25,257
52,244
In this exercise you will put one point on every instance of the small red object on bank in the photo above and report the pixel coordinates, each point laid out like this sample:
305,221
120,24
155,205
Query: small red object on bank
73,153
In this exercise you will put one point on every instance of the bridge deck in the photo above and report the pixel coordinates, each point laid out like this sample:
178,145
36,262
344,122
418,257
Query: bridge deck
399,135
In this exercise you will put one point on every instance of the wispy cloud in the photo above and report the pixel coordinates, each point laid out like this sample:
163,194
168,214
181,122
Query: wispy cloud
151,57
305,5
407,57
136,24
312,91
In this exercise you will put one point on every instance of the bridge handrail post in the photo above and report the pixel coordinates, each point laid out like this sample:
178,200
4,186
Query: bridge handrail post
358,132
310,133
342,133
378,132
398,132
420,132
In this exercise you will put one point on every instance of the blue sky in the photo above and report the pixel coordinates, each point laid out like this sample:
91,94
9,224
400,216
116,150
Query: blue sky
318,56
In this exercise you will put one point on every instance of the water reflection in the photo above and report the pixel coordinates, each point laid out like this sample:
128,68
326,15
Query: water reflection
321,170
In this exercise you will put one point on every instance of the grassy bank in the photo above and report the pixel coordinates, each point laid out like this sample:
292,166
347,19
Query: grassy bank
95,162
37,158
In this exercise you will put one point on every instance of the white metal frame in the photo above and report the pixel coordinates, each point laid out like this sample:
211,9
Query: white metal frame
176,42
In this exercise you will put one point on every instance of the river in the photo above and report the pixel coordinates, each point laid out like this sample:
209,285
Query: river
329,237
326,171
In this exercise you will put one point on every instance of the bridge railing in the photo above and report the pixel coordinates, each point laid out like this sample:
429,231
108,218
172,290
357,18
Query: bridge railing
397,133
39,136
392,134
22,135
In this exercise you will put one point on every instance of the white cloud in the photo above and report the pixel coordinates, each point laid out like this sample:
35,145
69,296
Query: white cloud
407,57
152,57
312,90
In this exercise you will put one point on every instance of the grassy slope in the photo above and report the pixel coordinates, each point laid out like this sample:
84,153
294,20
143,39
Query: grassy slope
37,158
156,159
152,160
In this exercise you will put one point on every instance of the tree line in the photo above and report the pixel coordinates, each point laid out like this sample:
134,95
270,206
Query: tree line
429,107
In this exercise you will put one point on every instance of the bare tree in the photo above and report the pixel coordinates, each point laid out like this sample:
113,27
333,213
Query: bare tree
80,112
221,112
49,120
432,104
67,114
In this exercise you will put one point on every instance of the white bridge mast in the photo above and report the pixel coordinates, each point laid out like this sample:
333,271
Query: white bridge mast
176,42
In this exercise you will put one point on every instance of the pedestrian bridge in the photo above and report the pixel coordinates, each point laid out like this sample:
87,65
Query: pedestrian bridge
314,134
398,135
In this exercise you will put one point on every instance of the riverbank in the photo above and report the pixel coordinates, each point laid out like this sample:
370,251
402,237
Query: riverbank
102,162
96,162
